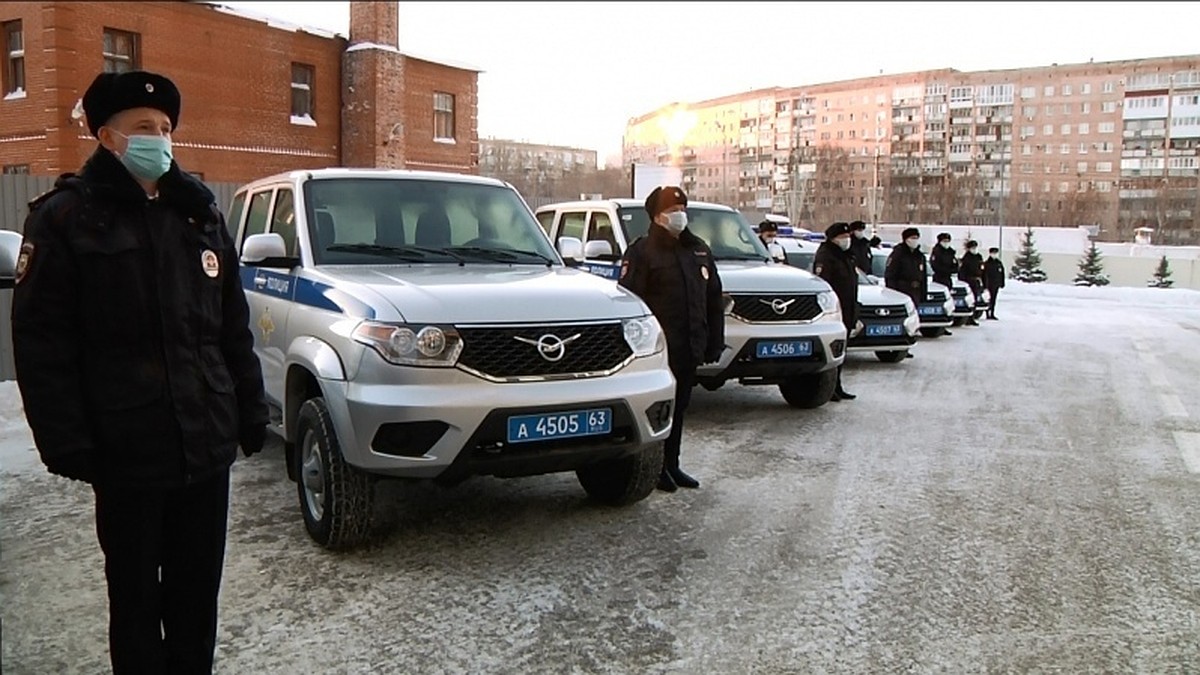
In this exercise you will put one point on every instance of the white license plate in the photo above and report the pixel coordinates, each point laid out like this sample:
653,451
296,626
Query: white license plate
570,424
783,349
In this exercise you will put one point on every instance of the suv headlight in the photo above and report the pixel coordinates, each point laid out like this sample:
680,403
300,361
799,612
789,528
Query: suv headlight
828,301
644,335
413,345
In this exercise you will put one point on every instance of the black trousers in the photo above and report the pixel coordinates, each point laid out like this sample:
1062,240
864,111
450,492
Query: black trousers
685,379
163,554
992,305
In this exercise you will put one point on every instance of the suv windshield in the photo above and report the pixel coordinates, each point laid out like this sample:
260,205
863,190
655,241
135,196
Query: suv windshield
726,232
367,221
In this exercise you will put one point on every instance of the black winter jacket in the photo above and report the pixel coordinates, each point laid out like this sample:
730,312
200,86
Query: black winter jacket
905,272
678,280
970,267
993,273
860,249
944,264
131,336
837,268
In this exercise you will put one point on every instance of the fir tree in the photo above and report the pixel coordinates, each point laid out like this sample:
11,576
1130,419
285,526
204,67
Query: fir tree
1028,264
1161,275
1091,268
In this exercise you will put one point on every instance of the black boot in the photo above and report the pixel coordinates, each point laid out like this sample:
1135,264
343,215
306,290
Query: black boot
972,322
844,395
665,483
678,477
947,332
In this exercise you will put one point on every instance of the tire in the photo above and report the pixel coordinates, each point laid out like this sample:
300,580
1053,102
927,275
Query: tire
623,481
959,321
978,313
933,332
893,356
810,391
336,499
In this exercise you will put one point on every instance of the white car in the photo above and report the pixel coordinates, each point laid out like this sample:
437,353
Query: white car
889,319
935,312
420,325
783,326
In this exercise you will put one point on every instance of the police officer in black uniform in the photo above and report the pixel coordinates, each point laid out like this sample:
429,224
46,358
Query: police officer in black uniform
905,271
834,262
943,262
135,363
860,246
673,271
970,270
993,277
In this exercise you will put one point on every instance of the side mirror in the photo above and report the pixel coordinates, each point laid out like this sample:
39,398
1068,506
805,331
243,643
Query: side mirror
571,250
10,252
267,250
597,248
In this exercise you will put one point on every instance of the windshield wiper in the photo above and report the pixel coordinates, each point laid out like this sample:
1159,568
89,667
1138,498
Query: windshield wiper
407,253
500,253
740,257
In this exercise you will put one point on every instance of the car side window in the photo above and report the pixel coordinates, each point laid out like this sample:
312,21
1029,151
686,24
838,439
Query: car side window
546,220
256,218
572,225
234,221
283,220
600,228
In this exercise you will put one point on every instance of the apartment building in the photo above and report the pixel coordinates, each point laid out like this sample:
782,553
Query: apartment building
259,96
1112,146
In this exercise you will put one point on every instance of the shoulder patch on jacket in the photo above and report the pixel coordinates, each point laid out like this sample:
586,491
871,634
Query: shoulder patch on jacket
23,260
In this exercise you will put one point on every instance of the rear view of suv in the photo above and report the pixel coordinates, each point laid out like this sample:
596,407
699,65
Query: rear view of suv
420,325
783,326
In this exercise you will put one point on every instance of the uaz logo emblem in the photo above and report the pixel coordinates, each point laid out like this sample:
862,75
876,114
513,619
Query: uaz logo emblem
551,347
778,305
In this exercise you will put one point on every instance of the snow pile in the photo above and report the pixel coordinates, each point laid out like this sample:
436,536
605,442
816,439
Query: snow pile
1133,296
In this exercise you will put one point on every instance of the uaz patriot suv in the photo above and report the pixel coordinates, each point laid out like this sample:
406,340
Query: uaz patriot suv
420,325
783,326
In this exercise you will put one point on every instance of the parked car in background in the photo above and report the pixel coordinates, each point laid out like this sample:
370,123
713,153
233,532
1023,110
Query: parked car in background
935,312
783,326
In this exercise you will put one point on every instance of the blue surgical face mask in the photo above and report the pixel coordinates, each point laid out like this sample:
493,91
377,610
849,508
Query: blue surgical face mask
146,157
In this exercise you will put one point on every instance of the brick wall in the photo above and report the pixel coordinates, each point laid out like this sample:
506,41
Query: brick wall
234,74
422,79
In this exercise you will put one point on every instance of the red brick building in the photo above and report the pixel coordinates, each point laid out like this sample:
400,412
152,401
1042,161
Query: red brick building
258,97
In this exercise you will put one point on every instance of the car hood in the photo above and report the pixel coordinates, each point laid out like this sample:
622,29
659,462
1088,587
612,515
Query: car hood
482,293
749,276
870,295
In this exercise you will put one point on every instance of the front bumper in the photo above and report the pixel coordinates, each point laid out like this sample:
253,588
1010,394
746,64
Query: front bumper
443,422
739,361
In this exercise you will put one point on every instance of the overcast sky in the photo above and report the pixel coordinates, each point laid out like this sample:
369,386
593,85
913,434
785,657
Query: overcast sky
573,73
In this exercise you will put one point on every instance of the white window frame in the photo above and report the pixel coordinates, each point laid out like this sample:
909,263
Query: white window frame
443,108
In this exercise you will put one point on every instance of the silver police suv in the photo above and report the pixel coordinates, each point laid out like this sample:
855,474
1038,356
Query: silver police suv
783,326
420,325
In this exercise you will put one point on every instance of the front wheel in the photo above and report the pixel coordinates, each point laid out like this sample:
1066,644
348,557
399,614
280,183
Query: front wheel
625,480
335,498
893,356
811,390
933,332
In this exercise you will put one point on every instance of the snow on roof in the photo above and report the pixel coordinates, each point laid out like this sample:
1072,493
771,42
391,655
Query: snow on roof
271,22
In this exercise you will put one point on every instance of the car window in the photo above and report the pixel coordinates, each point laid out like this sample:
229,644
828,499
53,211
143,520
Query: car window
727,234
546,220
437,216
234,220
600,229
634,221
283,220
256,217
879,262
571,225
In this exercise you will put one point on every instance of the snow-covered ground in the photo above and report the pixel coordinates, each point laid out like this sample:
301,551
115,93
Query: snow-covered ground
1021,496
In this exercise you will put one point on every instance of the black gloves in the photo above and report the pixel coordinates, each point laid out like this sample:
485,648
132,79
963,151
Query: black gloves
76,466
252,438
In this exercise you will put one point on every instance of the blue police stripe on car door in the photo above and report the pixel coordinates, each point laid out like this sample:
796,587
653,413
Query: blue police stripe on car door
303,291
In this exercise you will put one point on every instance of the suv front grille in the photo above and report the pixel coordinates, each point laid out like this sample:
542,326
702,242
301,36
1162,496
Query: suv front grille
935,296
761,308
959,292
507,352
872,312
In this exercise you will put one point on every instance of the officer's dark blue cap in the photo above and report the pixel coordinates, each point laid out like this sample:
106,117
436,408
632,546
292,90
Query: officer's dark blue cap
662,198
910,232
110,93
